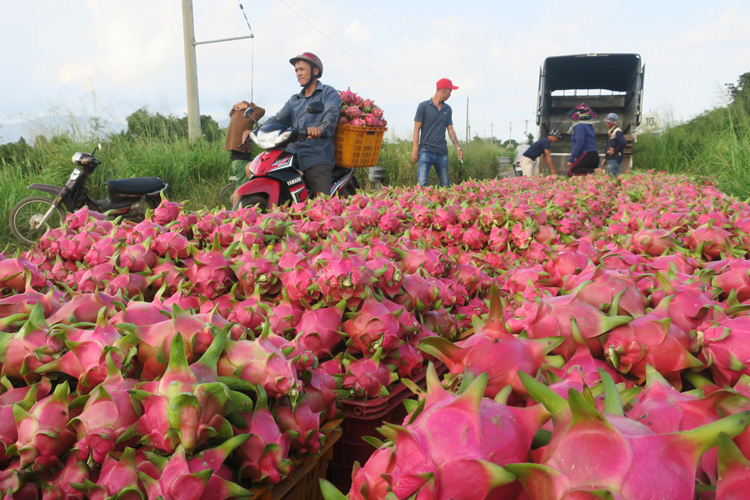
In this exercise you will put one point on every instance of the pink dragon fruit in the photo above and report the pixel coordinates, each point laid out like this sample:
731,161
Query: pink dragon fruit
62,484
166,212
368,377
178,409
733,481
550,316
664,409
265,455
24,351
212,274
318,330
724,348
261,362
650,339
26,396
373,326
493,350
116,477
107,414
613,455
426,462
43,436
305,422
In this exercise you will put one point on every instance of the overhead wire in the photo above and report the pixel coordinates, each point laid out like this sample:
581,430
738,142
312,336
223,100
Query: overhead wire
610,23
252,51
370,69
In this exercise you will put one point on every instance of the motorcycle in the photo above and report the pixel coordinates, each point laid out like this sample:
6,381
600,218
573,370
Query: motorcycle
129,198
274,178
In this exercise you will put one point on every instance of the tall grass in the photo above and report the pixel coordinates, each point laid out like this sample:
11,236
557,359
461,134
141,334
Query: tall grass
715,145
195,171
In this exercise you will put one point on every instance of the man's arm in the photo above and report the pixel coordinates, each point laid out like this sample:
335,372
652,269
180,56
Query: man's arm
454,140
415,142
548,161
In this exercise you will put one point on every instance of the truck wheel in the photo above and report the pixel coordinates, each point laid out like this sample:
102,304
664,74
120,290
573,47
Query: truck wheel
257,200
28,212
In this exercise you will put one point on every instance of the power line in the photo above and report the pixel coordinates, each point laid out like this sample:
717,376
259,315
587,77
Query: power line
610,23
340,47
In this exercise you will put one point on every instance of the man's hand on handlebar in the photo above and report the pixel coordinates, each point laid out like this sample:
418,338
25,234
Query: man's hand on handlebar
314,132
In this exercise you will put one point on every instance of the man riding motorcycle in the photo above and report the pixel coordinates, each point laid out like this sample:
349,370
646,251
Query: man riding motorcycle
316,155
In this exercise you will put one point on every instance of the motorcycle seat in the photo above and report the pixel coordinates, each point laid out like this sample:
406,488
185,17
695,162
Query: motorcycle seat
136,185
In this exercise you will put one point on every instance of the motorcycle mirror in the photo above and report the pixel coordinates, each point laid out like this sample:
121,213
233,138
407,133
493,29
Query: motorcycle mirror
97,148
248,112
315,108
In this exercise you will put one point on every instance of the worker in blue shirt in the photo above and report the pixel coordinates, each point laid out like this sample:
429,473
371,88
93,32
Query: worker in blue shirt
316,155
539,148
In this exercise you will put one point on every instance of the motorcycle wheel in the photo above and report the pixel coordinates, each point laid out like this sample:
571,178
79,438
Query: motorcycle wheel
28,210
225,195
252,200
351,188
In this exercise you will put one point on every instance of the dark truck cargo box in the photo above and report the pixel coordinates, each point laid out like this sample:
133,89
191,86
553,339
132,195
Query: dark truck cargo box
608,83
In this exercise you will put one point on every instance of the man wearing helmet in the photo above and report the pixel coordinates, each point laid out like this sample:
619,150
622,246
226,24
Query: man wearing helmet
317,154
539,148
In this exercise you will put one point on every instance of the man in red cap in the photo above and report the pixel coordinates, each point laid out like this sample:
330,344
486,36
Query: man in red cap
434,116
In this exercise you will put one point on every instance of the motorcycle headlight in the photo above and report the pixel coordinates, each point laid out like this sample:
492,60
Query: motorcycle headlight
267,140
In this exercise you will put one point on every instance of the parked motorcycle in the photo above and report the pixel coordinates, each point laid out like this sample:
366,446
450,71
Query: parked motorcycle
273,175
129,198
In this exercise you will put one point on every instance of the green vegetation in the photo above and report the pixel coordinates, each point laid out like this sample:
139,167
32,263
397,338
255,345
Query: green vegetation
715,144
155,145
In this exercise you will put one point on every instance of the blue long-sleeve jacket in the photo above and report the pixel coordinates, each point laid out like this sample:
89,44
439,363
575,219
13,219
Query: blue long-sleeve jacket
583,140
617,142
312,151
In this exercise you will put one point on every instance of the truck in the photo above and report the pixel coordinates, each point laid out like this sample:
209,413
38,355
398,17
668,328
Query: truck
608,83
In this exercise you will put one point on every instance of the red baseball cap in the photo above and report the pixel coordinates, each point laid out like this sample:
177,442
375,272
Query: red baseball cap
445,83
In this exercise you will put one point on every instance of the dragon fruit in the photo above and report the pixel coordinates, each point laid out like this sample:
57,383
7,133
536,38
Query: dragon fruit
265,455
368,377
612,455
116,477
179,409
650,339
427,461
492,350
43,436
261,362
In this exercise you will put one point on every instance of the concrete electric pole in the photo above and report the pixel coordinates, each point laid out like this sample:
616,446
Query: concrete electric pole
191,67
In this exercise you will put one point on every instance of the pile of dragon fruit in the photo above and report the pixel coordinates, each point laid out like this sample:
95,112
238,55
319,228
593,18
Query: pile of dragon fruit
593,332
357,111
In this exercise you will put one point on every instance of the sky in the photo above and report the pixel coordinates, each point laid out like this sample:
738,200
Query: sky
109,58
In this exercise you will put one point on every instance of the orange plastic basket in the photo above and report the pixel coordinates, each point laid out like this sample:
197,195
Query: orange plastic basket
358,146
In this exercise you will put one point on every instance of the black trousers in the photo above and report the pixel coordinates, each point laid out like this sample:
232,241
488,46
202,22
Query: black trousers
584,164
318,179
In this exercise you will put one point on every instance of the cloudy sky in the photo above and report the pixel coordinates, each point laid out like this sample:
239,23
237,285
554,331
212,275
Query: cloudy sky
108,58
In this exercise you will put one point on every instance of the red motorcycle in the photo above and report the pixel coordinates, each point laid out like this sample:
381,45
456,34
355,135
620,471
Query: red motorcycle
273,175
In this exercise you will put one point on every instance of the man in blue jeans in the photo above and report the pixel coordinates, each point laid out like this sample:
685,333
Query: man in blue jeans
615,146
432,119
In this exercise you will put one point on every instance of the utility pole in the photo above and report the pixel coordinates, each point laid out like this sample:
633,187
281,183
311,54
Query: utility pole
492,134
510,132
191,71
467,120
191,67
526,131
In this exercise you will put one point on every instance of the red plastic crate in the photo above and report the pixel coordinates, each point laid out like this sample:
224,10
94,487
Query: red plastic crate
302,483
362,418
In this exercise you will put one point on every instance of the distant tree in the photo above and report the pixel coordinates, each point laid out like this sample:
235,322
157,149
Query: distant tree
740,93
141,123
